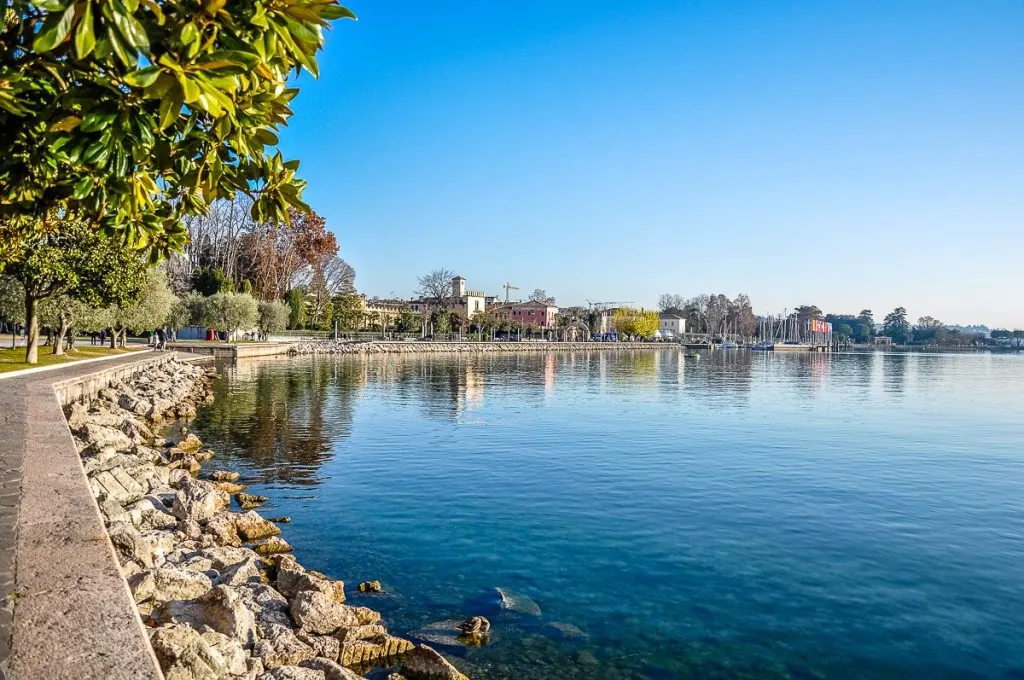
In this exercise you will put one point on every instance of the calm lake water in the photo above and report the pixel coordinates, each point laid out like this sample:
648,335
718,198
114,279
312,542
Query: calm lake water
741,516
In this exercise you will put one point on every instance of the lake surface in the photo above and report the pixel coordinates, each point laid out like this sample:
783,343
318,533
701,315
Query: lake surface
741,516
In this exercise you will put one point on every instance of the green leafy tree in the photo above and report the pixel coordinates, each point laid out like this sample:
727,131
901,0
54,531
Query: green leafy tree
896,326
149,311
407,322
133,114
60,313
844,331
348,311
12,304
185,311
230,312
211,280
273,316
77,261
296,300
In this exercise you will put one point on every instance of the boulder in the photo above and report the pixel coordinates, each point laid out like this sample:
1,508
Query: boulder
293,579
177,584
129,544
221,609
271,546
292,673
370,587
320,614
360,632
198,500
280,647
423,663
224,476
267,605
229,487
186,654
101,436
332,670
374,650
246,571
252,527
248,501
223,529
324,645
475,625
190,444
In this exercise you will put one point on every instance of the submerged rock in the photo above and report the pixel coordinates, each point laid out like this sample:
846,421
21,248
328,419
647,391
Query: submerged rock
247,501
518,603
224,476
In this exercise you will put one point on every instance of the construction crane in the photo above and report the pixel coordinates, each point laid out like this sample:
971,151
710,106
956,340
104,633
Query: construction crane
508,286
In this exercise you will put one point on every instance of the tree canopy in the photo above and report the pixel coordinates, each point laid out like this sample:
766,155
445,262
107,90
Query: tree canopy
130,115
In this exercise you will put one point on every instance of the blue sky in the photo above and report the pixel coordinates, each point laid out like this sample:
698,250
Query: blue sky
845,154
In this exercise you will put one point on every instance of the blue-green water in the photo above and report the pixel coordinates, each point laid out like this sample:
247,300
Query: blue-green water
742,516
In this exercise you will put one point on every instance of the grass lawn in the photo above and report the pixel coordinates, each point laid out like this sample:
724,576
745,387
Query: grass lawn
14,359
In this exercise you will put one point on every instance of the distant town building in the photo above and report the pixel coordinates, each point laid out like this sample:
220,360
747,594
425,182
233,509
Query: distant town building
378,310
672,323
466,302
604,324
530,313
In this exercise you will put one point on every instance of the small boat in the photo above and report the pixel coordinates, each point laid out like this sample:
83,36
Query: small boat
692,355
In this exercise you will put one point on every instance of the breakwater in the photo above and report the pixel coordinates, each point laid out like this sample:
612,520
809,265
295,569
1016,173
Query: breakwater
418,347
214,582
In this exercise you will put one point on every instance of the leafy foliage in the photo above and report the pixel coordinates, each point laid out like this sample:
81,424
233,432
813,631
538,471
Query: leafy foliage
131,114
273,316
230,312
211,280
635,322
77,261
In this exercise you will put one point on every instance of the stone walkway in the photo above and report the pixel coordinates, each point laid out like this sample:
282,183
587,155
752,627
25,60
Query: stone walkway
65,610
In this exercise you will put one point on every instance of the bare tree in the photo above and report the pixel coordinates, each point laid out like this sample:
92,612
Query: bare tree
541,295
436,287
716,313
339,276
671,302
741,316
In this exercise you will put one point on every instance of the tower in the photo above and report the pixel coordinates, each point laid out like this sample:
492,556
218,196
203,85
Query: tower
458,287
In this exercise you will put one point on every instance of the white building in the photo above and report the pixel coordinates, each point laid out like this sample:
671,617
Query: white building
672,323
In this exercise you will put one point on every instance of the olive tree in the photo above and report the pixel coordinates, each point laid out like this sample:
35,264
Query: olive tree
273,316
149,311
131,115
230,312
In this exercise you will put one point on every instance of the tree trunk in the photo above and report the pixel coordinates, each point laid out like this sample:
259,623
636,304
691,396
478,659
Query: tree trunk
32,335
124,338
58,345
113,338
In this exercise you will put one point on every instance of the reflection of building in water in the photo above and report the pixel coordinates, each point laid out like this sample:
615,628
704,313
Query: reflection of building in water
549,374
470,390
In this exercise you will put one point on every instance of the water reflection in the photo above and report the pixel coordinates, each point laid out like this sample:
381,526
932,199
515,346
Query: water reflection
740,515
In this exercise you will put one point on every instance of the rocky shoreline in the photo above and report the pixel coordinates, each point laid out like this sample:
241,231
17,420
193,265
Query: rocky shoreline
217,588
417,347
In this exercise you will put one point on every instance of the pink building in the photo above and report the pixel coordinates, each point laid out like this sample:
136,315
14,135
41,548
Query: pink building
528,313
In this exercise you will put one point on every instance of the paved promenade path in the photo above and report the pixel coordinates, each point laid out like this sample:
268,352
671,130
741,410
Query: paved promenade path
65,610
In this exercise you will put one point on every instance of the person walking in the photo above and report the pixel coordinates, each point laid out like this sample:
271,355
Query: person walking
161,339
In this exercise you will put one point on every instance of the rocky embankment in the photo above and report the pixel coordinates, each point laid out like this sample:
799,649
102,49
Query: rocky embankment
217,588
416,347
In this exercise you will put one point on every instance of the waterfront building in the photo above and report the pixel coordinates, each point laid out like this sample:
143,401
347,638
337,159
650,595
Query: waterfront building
530,313
672,323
